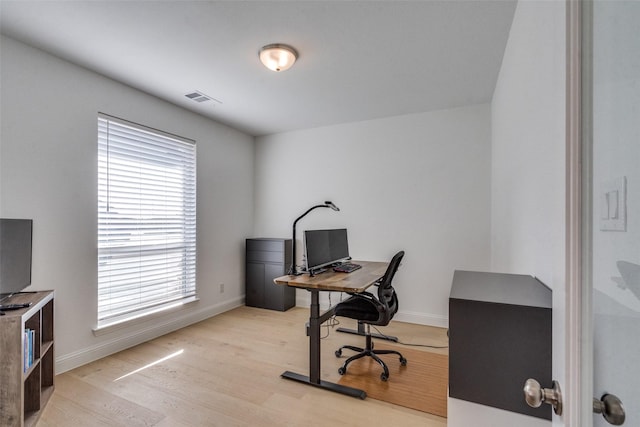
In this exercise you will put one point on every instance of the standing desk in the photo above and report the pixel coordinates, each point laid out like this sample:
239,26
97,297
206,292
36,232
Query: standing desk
354,282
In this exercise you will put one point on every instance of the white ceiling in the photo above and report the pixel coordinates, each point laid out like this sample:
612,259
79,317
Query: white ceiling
358,60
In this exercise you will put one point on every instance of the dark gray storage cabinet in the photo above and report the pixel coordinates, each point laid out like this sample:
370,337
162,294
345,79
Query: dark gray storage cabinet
499,336
267,259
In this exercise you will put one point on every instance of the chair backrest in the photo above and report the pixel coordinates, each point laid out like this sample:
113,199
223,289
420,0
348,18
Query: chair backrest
386,294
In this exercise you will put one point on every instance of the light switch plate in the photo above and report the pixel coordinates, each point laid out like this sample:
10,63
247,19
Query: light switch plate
613,205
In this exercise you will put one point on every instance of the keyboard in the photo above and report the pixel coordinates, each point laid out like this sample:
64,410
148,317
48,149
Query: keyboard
347,267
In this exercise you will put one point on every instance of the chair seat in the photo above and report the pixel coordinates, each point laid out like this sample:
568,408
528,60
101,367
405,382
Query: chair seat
359,307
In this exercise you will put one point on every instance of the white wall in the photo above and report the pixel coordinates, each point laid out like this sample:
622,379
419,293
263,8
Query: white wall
49,173
528,148
418,182
528,163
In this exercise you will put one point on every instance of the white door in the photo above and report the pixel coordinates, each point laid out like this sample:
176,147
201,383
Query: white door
615,189
603,287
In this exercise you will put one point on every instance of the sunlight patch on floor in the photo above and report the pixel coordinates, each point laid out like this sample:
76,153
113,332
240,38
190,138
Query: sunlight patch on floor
171,356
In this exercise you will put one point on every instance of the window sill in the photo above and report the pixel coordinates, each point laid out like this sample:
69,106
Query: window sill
108,327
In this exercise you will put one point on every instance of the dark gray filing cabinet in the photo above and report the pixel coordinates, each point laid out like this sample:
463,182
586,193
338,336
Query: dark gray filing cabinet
267,259
499,336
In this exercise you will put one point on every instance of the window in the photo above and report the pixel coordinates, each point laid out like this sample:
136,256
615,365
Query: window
146,220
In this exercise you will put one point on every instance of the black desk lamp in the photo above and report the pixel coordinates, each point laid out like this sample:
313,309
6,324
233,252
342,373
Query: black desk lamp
293,270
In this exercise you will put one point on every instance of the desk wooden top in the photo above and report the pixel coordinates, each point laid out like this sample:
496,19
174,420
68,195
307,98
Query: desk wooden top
356,281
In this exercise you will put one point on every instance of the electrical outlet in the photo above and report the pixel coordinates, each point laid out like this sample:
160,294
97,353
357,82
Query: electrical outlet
221,288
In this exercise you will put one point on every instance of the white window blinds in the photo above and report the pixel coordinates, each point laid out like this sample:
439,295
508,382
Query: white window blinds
146,220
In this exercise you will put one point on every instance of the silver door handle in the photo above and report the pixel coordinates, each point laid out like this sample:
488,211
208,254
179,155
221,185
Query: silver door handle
535,395
611,409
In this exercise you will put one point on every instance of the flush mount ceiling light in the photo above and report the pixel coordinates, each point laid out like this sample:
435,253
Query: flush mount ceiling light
278,57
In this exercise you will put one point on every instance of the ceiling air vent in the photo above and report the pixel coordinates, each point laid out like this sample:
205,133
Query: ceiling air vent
201,97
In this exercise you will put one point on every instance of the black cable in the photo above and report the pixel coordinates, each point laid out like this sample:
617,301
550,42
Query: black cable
409,344
331,323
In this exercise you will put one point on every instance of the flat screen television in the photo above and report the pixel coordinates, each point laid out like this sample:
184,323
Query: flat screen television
15,255
325,247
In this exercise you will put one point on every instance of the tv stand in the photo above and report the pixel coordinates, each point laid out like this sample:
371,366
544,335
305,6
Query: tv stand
26,389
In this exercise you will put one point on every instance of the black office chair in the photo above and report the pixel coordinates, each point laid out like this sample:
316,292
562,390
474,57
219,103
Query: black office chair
369,310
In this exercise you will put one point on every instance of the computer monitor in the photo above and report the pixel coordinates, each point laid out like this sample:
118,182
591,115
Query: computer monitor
325,247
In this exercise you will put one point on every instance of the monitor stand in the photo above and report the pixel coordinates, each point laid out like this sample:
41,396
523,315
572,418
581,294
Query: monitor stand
360,331
316,271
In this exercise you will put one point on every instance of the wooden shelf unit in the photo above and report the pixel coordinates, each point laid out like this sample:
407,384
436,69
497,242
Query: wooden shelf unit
26,392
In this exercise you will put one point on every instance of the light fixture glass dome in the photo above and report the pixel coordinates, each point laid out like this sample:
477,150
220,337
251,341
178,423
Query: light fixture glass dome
278,57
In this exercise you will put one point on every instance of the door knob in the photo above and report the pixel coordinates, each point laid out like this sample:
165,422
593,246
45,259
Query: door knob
611,409
534,395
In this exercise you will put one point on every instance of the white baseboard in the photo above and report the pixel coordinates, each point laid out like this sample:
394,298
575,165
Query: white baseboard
129,337
427,319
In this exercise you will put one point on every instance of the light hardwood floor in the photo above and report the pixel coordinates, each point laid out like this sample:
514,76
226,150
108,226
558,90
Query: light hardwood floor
225,371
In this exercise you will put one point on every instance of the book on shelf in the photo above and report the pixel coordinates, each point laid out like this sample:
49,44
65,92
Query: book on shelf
28,350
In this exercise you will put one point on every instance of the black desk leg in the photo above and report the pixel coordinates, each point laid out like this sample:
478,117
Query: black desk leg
360,331
314,338
314,356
